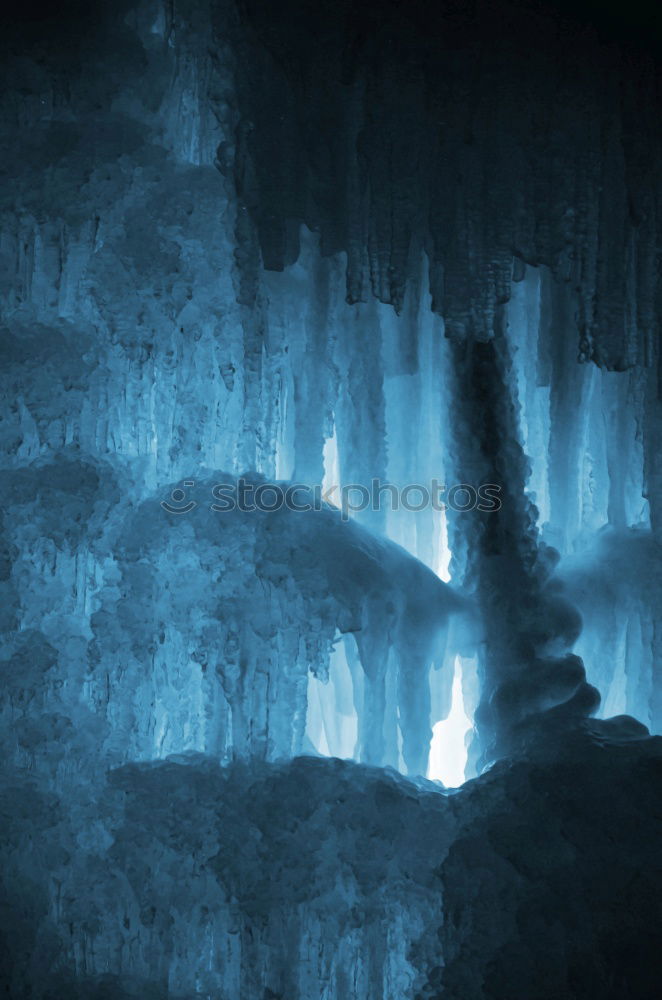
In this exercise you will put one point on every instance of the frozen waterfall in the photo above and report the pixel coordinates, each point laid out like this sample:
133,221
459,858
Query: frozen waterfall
330,563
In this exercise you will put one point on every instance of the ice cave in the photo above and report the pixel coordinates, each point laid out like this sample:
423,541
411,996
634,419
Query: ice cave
330,548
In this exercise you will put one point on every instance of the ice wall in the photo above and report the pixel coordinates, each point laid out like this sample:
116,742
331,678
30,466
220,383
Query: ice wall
132,361
590,435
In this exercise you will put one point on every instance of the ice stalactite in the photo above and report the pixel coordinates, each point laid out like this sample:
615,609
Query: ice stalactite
373,388
539,144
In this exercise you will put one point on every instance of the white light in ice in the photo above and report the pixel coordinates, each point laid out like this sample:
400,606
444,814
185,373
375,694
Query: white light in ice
448,751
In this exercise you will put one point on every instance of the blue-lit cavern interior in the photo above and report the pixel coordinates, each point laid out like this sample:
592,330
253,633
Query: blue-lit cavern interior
330,563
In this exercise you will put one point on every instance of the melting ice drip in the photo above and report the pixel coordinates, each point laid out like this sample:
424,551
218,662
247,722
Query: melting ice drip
332,722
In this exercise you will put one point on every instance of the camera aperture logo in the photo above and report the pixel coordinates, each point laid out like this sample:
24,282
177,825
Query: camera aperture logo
248,497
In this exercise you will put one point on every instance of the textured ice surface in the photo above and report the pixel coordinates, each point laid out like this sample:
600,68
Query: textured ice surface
321,878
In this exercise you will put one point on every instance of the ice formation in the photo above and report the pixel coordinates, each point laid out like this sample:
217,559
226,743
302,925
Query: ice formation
334,245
